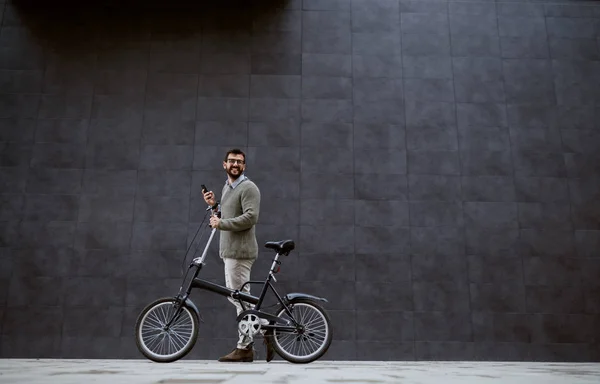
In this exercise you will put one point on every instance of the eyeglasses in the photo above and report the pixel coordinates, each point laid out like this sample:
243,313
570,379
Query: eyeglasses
235,161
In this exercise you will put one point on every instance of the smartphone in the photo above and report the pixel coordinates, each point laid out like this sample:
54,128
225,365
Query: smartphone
204,189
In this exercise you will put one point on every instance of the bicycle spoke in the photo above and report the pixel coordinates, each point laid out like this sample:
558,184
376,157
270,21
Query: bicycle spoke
153,340
175,340
155,321
313,318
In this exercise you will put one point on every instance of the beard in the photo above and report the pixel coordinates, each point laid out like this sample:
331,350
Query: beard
234,172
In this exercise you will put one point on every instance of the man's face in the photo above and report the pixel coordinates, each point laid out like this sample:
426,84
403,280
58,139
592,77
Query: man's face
235,165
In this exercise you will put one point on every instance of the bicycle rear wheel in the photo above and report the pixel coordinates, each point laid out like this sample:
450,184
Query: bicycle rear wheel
165,344
310,344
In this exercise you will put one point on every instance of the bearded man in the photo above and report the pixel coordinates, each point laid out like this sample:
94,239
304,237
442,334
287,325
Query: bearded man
239,207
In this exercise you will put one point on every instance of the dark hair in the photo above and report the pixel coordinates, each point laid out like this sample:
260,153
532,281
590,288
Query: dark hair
235,151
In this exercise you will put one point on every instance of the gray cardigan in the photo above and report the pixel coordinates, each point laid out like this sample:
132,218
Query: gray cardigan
240,207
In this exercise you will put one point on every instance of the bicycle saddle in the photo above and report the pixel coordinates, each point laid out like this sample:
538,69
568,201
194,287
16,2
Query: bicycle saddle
283,246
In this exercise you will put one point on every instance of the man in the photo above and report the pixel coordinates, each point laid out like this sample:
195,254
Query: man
240,206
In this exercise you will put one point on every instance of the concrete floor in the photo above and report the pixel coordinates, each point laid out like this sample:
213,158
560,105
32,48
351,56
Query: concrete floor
140,371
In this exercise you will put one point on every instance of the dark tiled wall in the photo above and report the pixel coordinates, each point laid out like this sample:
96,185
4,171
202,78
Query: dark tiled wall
436,162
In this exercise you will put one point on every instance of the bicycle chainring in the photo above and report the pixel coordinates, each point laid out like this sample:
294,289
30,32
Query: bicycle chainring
249,325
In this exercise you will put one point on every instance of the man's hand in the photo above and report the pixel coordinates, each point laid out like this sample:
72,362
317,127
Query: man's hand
214,221
209,197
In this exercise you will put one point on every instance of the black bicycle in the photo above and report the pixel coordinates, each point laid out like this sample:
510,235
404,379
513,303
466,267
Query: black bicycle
299,330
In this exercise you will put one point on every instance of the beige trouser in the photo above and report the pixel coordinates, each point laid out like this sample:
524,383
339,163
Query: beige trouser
237,272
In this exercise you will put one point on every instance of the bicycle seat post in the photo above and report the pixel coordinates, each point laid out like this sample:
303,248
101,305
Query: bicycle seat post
272,270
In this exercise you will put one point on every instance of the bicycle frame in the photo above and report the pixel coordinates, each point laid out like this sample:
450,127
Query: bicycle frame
239,295
152,329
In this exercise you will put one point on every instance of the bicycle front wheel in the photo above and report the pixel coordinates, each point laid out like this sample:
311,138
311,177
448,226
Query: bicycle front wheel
161,343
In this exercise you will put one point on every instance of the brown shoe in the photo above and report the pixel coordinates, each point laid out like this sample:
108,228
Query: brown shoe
239,356
270,350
